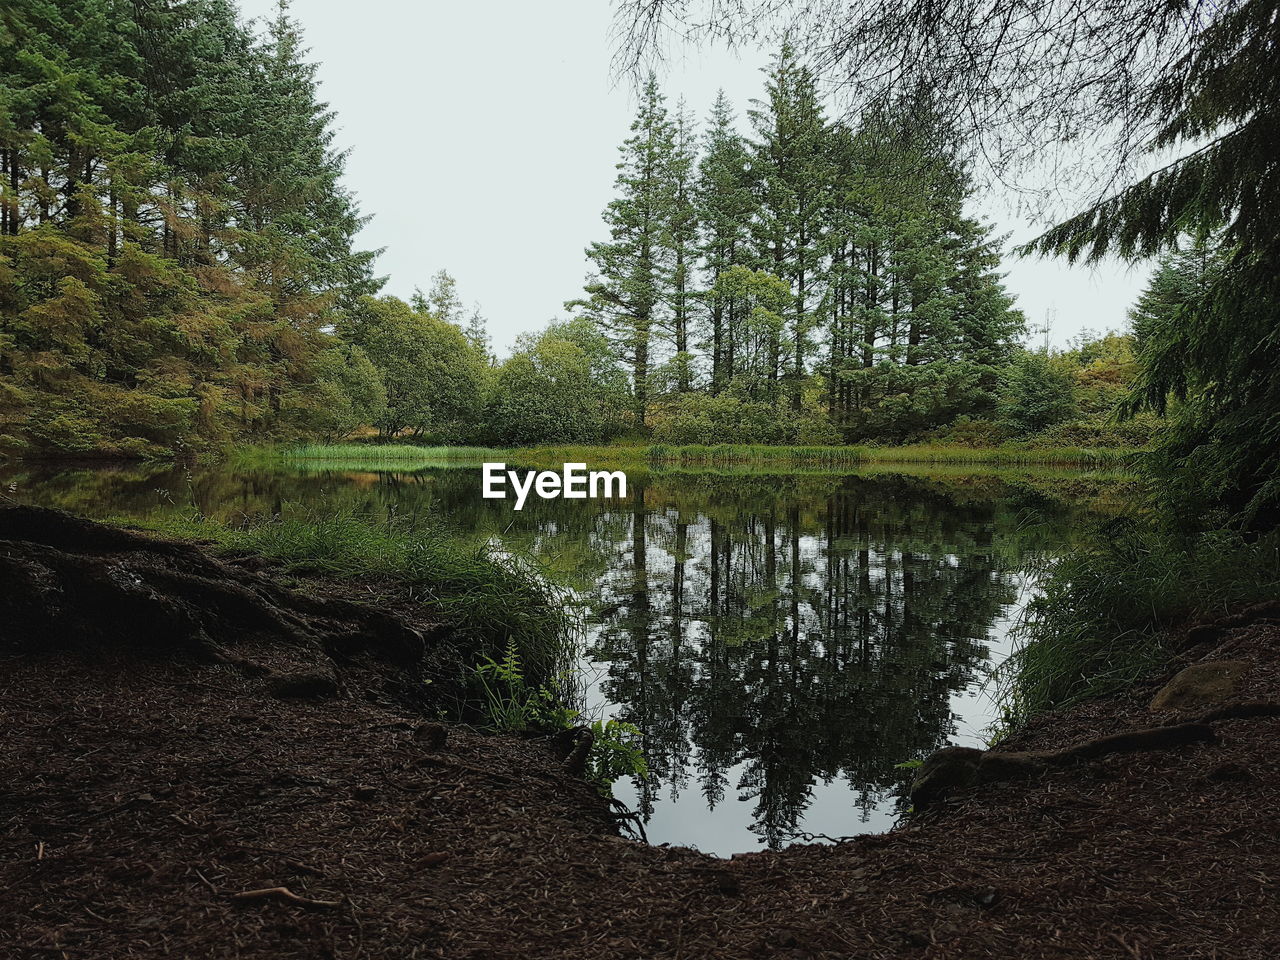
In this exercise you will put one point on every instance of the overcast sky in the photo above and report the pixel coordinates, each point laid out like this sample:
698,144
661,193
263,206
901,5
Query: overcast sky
483,139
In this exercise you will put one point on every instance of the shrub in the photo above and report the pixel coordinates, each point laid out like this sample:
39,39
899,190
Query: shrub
513,705
694,419
1102,619
1036,391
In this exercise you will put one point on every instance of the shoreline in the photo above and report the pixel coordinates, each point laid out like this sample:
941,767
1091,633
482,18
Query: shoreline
730,454
149,790
1006,455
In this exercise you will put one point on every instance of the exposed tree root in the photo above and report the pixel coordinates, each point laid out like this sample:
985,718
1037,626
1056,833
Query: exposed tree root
1132,741
958,768
285,894
72,583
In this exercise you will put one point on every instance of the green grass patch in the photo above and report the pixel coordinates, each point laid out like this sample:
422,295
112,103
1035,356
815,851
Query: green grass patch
489,601
1103,619
373,456
403,456
1006,455
397,454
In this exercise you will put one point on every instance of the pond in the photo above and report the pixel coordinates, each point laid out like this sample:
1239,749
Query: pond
782,640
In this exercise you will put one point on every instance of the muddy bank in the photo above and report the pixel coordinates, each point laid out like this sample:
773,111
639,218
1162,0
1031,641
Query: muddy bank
146,788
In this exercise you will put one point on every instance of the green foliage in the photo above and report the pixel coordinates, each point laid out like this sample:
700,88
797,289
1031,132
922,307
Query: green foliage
1208,326
173,234
793,177
841,280
405,456
177,272
847,456
1101,622
703,419
894,402
349,393
434,376
560,386
633,268
1206,331
513,705
1036,392
616,752
485,599
396,454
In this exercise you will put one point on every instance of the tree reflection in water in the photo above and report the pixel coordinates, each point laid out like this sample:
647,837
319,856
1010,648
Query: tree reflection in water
798,640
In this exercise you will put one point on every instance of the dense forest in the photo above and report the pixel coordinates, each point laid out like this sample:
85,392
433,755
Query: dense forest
179,270
820,282
815,282
176,239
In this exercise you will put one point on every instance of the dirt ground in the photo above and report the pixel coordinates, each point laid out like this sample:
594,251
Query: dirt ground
142,791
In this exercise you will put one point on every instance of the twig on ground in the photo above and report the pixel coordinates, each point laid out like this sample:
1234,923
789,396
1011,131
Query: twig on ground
282,893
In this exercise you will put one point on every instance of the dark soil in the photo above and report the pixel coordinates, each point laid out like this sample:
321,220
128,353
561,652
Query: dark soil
143,786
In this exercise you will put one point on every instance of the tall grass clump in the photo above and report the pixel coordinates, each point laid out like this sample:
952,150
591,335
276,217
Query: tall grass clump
382,453
851,456
403,456
1104,618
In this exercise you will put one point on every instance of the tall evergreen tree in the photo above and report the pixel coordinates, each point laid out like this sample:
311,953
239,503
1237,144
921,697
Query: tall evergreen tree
173,234
793,174
726,205
916,311
681,239
476,330
1219,355
304,221
632,271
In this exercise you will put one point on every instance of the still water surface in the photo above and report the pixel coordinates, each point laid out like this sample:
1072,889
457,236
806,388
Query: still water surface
782,641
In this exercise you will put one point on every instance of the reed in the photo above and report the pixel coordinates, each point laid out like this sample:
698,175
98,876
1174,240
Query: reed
408,455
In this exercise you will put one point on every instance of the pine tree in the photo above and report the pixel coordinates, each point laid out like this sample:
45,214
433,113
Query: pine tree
477,332
173,235
916,310
303,221
632,270
1219,102
681,238
726,205
793,176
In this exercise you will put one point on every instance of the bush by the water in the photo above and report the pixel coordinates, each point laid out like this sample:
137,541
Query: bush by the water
1103,619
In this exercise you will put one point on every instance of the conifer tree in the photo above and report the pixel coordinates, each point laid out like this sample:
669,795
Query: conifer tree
632,269
173,235
793,175
726,205
681,238
477,333
304,221
916,311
